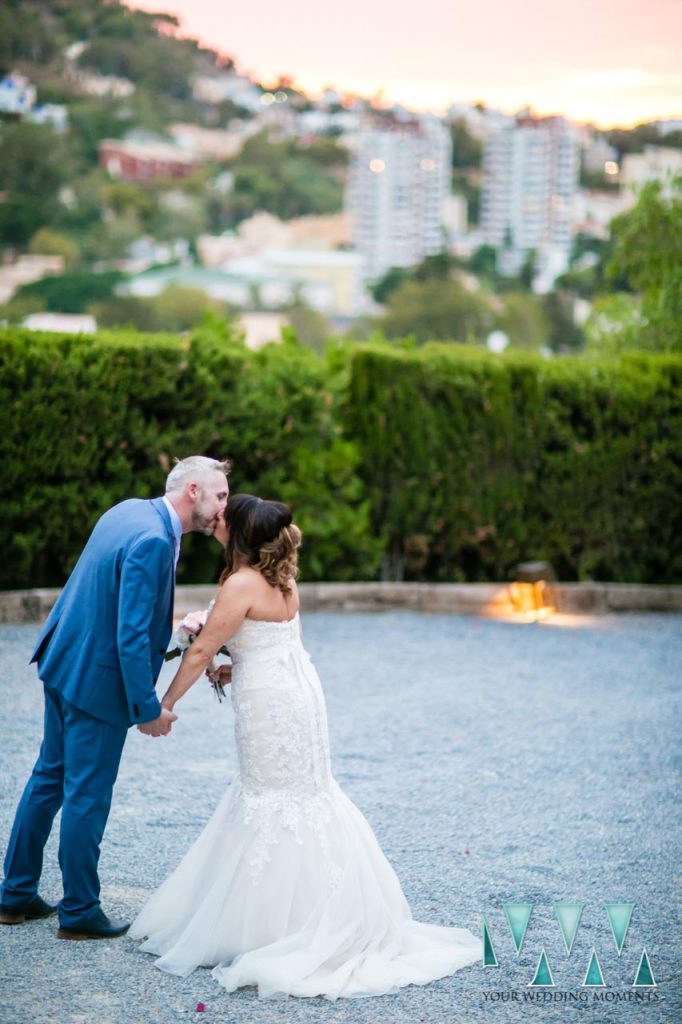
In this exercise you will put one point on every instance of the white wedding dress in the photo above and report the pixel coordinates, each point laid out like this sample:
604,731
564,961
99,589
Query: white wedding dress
286,888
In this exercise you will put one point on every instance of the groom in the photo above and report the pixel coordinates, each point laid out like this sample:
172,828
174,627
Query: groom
99,655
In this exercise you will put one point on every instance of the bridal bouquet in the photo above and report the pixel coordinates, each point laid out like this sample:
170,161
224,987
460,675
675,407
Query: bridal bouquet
184,637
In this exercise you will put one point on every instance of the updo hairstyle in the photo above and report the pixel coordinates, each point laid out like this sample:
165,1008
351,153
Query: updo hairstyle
262,534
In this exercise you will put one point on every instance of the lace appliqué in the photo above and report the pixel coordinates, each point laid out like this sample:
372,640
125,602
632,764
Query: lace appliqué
285,783
271,813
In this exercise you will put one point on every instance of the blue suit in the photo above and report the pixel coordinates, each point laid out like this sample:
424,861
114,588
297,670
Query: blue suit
99,655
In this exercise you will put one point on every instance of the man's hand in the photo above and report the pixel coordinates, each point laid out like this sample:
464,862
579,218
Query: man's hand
161,726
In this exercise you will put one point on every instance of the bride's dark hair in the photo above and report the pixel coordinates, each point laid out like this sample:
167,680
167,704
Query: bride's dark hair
262,534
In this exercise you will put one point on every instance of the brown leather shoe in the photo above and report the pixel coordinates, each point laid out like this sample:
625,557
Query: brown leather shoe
35,909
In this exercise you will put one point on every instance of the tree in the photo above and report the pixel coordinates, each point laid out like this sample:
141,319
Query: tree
175,309
47,242
484,262
437,310
432,268
614,325
309,326
467,149
525,321
647,251
564,333
387,284
71,293
33,166
279,178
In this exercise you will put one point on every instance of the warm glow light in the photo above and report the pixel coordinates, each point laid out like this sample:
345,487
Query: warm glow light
377,166
428,165
267,98
611,167
529,599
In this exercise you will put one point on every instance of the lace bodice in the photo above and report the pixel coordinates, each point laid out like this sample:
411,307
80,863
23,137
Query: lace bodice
263,635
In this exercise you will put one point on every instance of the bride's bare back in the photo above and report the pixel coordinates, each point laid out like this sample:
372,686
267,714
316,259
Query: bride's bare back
268,603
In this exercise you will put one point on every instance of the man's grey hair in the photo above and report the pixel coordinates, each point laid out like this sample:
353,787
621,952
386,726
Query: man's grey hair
194,470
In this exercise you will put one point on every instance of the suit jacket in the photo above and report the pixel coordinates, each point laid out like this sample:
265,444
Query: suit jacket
103,643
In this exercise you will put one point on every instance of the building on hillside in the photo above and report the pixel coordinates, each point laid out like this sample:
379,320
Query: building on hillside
54,114
330,281
599,157
227,86
530,178
144,161
264,231
593,211
212,143
17,94
656,163
61,323
671,124
400,179
25,269
102,85
262,328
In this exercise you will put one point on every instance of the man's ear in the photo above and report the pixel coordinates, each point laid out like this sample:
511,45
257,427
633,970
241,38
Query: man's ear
193,491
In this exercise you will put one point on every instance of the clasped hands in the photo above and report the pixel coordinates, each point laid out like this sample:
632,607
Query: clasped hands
160,726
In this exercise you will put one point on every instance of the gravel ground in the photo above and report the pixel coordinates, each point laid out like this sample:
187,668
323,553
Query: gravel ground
495,761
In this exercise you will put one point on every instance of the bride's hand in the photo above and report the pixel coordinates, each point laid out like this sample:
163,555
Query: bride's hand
222,675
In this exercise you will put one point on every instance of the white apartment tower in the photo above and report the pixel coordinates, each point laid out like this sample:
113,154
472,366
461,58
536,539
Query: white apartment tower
399,182
530,179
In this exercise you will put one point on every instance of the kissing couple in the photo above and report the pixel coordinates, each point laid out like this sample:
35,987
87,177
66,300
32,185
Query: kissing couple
286,887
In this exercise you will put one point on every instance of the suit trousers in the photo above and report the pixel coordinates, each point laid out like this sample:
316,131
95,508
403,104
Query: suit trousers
76,770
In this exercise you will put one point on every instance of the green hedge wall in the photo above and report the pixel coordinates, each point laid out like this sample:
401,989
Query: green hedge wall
86,422
437,463
473,462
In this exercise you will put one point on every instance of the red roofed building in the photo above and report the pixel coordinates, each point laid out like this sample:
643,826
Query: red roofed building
144,161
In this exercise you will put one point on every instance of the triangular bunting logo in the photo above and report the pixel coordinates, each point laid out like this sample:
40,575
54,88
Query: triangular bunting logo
568,915
594,977
619,915
543,975
489,958
645,976
518,916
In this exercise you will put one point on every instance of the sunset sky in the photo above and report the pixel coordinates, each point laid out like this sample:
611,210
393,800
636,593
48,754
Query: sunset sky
607,61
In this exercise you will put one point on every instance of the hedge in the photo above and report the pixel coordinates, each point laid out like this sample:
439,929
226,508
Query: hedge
88,421
438,463
474,463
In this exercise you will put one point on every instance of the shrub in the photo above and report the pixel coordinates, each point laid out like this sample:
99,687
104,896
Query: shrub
473,463
87,422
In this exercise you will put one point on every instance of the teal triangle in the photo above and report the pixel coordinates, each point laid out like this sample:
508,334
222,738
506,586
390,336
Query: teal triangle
543,975
619,915
645,976
594,977
489,958
518,916
568,915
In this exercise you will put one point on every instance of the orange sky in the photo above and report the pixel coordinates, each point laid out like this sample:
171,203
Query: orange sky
606,61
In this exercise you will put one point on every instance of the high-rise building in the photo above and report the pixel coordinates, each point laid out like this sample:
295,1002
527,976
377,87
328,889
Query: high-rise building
530,178
399,182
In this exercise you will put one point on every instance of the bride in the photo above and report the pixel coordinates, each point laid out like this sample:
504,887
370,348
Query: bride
286,888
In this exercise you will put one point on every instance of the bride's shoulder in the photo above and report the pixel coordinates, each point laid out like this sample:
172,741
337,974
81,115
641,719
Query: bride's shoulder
242,582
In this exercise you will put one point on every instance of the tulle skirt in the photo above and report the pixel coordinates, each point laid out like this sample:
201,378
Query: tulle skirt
292,894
